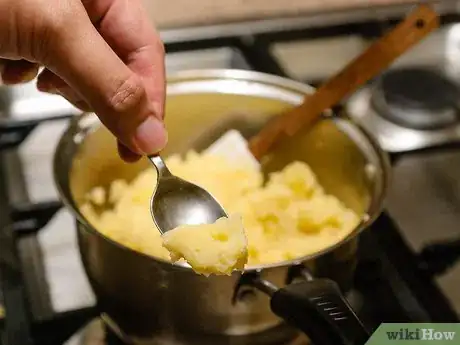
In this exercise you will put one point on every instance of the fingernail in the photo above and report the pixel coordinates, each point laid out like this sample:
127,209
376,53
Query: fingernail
29,75
14,76
151,136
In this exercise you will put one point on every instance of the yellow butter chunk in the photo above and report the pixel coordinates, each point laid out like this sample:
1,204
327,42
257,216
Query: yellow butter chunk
217,248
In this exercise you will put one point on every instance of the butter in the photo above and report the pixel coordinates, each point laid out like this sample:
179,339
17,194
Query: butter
218,248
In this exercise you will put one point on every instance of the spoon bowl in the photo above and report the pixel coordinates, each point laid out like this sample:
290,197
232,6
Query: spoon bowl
177,202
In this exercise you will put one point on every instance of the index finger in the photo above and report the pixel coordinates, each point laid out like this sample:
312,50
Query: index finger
125,26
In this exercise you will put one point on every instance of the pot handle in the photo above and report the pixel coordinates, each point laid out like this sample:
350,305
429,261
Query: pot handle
437,258
317,308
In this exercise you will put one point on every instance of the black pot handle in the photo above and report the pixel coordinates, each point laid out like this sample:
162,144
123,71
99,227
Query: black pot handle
319,309
437,258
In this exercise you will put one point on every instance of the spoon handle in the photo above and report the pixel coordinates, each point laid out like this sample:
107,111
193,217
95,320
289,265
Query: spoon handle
377,57
160,165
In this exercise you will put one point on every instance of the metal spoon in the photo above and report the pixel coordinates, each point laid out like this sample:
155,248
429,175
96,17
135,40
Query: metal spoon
177,202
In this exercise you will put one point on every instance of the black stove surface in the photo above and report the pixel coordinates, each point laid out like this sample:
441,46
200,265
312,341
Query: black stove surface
392,283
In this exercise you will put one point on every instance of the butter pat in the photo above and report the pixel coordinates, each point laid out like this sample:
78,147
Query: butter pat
234,147
217,248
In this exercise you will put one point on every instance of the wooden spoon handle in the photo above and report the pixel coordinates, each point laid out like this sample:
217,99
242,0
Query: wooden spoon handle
369,64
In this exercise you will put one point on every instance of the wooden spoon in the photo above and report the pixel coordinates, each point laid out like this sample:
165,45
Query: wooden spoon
369,64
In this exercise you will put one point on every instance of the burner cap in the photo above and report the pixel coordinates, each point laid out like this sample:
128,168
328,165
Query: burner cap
417,98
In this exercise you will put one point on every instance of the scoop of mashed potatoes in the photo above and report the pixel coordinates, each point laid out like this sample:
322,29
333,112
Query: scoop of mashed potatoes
286,217
217,248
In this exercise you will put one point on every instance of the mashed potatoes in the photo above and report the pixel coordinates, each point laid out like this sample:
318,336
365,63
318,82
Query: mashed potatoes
287,217
217,248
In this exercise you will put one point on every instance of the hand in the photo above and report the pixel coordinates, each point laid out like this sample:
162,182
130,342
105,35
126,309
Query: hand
101,55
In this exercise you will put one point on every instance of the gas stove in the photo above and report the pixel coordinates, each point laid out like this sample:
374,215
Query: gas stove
407,269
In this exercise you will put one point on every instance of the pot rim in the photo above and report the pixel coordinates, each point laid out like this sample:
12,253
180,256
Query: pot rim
377,202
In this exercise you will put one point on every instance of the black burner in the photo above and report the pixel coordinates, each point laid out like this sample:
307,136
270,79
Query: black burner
417,98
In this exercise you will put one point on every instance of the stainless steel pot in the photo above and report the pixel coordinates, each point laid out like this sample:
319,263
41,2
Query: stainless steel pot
146,298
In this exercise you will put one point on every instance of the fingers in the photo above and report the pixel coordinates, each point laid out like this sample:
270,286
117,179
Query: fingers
21,71
82,58
49,82
72,98
17,71
125,25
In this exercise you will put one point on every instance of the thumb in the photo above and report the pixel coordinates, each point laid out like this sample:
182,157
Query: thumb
83,59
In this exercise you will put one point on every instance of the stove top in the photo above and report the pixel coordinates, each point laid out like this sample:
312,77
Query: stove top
97,333
407,261
417,98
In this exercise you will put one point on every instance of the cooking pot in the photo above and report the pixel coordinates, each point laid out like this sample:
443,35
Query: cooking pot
146,299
